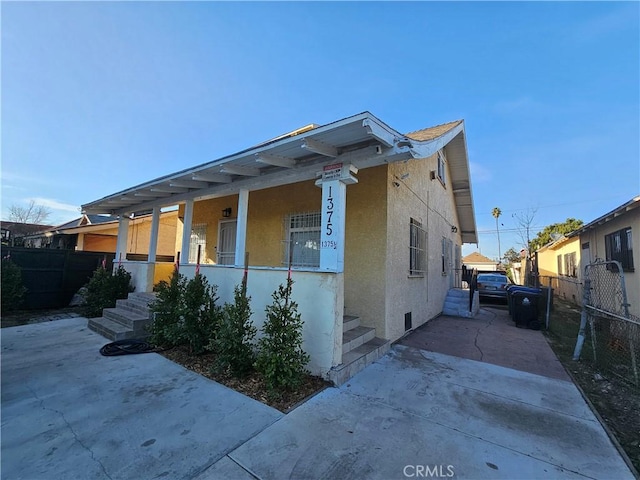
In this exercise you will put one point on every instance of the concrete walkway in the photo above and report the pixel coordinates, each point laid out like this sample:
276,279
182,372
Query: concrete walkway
68,412
490,337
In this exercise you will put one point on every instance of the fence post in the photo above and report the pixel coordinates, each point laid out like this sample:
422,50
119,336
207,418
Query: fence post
583,319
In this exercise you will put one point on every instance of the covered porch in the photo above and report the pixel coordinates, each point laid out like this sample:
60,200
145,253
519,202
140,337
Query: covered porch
277,207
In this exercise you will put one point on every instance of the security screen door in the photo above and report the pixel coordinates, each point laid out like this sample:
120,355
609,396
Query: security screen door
227,242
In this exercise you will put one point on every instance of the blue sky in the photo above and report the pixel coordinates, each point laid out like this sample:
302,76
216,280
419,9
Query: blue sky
98,97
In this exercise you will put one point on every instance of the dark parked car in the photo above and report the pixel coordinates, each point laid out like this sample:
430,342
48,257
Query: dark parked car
493,285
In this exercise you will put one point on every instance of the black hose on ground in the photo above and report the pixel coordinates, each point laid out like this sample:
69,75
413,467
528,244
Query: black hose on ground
126,347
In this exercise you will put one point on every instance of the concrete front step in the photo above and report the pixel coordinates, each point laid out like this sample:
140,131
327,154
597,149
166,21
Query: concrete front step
134,306
128,319
125,317
357,359
355,337
349,322
111,330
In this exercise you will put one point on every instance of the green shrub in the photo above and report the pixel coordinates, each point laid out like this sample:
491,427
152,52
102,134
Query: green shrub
201,315
167,311
184,313
281,359
233,343
104,288
12,288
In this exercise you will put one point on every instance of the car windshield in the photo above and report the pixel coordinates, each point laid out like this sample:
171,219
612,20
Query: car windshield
493,278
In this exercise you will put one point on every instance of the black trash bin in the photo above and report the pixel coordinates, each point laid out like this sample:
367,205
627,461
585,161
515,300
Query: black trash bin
511,289
525,309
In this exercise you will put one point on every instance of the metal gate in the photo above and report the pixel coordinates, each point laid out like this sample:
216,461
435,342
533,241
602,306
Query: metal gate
611,332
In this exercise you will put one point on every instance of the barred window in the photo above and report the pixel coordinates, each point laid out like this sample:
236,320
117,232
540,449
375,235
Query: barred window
570,265
619,246
198,237
416,248
302,239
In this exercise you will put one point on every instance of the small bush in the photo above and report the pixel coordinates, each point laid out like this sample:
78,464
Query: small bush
184,312
233,343
281,359
167,310
201,315
104,288
12,288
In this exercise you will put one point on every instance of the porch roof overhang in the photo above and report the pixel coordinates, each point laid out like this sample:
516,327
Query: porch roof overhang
361,140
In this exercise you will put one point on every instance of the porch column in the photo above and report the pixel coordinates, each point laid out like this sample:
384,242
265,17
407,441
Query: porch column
153,238
123,235
241,227
334,202
186,232
80,242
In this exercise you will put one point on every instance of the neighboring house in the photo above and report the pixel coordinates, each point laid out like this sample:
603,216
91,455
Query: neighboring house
99,233
370,220
476,260
615,236
559,265
609,237
14,233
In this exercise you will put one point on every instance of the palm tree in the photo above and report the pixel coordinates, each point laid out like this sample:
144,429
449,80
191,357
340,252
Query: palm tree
496,212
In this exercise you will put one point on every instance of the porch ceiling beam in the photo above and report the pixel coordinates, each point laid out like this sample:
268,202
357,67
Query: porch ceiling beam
188,184
242,171
151,194
383,135
169,189
275,160
361,158
320,148
212,178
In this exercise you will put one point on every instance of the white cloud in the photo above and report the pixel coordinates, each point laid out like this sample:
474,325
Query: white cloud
56,205
479,173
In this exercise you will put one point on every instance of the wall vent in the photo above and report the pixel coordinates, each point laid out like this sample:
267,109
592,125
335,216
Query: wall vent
407,321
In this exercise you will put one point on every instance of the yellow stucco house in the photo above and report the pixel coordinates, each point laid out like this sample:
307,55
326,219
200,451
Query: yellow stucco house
609,237
99,233
370,220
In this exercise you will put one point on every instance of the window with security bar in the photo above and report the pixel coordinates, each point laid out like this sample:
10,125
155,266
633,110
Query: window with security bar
198,237
417,242
619,246
302,239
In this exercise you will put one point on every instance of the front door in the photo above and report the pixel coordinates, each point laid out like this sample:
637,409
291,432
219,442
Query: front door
226,251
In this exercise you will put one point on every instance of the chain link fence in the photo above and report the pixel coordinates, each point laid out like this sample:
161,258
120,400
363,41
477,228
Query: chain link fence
608,335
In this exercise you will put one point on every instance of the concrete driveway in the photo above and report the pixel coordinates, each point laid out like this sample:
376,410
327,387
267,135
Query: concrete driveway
67,412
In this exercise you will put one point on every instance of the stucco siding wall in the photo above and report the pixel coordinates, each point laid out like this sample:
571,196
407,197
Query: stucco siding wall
365,248
429,202
265,219
209,212
548,258
597,249
99,243
140,234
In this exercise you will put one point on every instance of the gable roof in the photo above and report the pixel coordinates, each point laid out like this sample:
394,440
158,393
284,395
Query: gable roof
476,257
433,132
361,140
85,220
